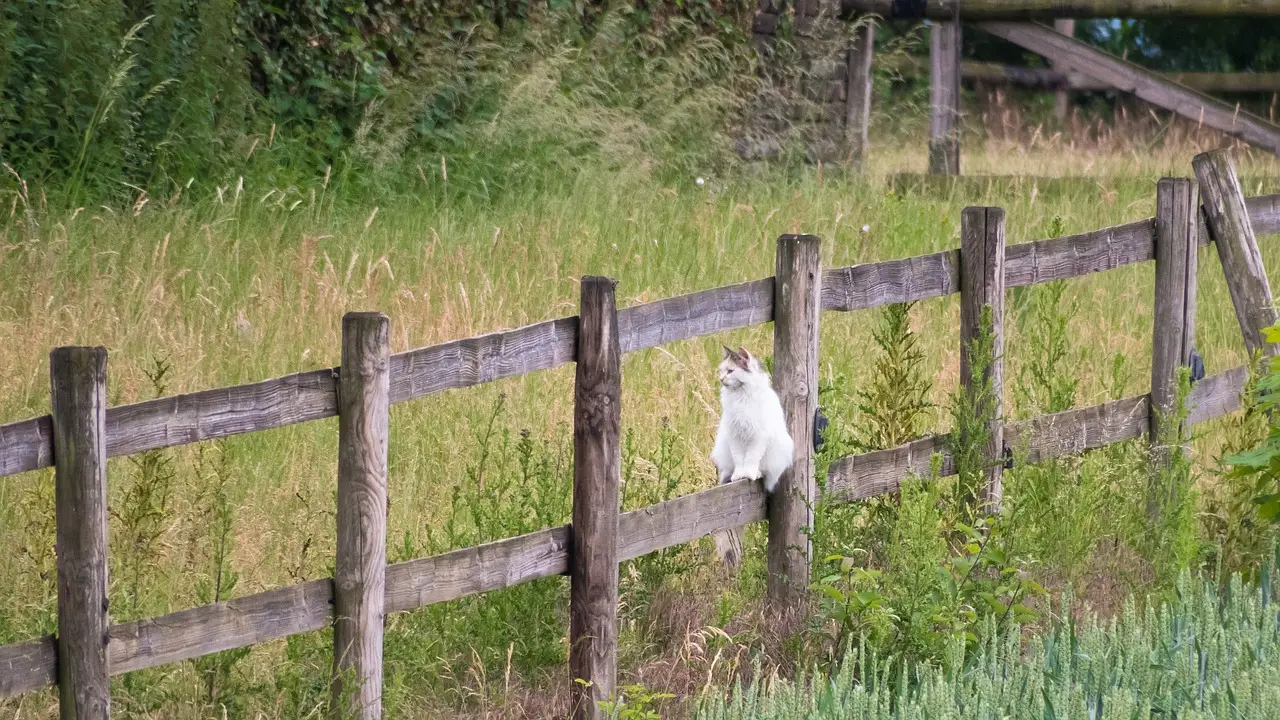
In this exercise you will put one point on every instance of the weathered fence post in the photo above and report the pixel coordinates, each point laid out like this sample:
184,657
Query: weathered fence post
597,465
1173,334
944,98
1062,99
796,302
364,394
982,286
1232,233
78,379
858,95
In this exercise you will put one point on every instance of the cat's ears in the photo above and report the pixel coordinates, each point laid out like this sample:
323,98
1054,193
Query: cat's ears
740,357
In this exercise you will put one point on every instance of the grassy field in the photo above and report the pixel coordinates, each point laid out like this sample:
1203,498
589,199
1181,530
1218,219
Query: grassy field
252,283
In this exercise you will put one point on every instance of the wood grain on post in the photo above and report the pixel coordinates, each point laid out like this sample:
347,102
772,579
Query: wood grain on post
364,401
1062,99
858,95
1228,219
944,98
982,286
78,378
798,289
1128,77
597,466
1173,334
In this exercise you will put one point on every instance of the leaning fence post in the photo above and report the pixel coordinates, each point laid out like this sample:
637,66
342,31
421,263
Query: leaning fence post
858,94
1232,233
944,98
78,379
982,286
1173,332
796,291
597,464
364,390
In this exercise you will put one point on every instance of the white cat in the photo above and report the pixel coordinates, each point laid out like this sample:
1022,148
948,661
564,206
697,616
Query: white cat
752,441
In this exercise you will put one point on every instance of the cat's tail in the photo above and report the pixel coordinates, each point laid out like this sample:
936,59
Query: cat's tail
729,547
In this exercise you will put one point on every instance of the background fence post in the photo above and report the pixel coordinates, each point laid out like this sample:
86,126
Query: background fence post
796,302
1232,233
78,380
944,98
364,394
597,465
1062,99
982,285
858,94
1173,334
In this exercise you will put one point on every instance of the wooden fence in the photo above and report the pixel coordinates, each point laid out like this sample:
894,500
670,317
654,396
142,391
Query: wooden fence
1075,64
82,433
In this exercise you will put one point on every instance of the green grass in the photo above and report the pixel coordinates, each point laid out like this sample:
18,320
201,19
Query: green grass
252,287
1205,655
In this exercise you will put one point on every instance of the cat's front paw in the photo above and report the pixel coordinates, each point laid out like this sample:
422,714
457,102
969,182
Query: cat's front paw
745,474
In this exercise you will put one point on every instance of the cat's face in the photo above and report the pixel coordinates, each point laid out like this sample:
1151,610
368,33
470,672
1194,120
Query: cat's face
737,367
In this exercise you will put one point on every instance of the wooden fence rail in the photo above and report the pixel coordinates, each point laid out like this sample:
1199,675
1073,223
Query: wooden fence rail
210,414
83,433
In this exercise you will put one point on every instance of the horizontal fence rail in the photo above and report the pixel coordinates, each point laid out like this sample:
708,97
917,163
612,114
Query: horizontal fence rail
306,607
209,414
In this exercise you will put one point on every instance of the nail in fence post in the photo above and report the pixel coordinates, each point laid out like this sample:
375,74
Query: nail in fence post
1173,331
944,98
796,302
78,379
982,285
597,463
364,389
1232,233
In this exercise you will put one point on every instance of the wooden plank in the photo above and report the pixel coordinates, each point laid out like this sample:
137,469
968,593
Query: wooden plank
857,122
227,625
1174,322
78,380
597,473
1229,224
1079,255
364,389
1039,78
1074,431
1216,395
474,570
944,98
982,282
28,666
690,517
696,314
1264,214
26,445
1147,85
860,287
797,306
862,477
1047,9
483,359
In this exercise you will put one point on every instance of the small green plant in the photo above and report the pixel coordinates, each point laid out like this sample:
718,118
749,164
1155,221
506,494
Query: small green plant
970,417
634,702
894,404
218,580
144,511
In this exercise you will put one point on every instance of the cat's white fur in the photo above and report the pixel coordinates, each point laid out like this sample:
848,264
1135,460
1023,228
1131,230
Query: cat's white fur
752,441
